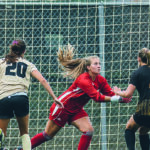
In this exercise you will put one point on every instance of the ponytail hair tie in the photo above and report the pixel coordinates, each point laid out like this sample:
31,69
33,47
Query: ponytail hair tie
14,42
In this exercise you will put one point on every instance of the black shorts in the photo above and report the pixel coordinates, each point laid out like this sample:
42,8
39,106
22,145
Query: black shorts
142,114
142,120
14,105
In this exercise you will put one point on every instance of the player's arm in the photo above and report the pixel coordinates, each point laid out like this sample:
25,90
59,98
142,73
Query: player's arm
131,87
106,89
36,74
127,93
89,89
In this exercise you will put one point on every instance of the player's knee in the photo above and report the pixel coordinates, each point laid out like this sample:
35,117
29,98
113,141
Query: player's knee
46,136
88,133
132,127
143,131
91,130
88,129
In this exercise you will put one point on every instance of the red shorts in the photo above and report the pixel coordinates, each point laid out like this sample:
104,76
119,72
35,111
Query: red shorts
61,116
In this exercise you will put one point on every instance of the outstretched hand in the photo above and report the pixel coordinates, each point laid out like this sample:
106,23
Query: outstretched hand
126,100
59,103
116,89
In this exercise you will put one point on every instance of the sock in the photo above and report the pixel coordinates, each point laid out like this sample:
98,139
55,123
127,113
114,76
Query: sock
85,141
39,139
130,139
144,141
26,143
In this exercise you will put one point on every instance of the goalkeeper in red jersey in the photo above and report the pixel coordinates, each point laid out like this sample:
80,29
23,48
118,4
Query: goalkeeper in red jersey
88,84
15,75
140,120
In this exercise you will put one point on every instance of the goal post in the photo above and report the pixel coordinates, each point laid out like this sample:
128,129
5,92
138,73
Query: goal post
103,133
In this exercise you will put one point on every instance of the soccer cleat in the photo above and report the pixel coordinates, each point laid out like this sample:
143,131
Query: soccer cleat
1,139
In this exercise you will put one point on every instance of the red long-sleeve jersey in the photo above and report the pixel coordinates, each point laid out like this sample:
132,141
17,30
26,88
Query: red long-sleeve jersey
82,90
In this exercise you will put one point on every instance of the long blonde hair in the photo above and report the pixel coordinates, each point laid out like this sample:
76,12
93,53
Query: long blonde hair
73,67
144,54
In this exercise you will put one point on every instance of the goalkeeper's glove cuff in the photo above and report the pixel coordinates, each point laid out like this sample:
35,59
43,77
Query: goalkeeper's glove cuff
116,98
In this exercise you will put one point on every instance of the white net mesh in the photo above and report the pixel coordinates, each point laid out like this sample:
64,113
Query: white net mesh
113,30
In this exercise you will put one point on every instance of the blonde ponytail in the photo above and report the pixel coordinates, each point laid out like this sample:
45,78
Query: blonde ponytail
72,67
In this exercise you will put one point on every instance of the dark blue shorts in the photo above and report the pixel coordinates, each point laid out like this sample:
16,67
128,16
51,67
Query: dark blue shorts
14,105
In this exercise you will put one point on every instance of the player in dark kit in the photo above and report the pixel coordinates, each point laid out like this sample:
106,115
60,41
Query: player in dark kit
140,80
15,74
88,84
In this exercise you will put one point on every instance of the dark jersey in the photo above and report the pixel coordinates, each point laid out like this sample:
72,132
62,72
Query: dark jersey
141,79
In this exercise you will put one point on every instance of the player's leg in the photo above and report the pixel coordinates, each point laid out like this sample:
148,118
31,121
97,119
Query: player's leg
4,125
82,122
144,122
130,130
6,112
51,129
3,129
20,104
23,127
144,138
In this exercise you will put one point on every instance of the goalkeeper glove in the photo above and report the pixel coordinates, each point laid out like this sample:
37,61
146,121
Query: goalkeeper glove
120,99
116,98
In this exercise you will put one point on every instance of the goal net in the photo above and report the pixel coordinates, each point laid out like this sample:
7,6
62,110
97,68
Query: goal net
112,30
